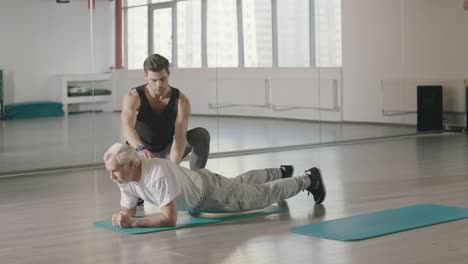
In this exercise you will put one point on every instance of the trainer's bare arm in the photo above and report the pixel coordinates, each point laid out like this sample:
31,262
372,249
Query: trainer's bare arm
167,218
180,131
130,106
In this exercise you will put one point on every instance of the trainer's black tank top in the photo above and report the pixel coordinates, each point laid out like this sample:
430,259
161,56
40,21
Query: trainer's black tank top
156,130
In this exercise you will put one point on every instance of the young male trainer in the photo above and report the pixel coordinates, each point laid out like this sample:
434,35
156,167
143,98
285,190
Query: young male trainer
155,118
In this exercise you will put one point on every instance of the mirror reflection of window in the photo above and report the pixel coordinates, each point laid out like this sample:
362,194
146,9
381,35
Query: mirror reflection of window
137,36
256,18
293,33
136,2
302,39
189,42
222,41
328,33
162,32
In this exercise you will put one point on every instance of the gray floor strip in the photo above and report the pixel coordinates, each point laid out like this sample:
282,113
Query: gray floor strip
100,165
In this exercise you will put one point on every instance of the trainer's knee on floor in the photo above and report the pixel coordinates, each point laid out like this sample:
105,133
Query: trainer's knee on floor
198,134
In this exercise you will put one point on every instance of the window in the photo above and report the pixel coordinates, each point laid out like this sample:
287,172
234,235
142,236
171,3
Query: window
258,44
189,35
234,33
136,37
328,33
222,41
162,32
293,33
135,2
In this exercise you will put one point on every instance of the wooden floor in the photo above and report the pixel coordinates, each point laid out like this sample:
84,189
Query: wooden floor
49,218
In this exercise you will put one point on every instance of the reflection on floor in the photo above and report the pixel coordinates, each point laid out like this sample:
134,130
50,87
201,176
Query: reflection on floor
83,138
48,218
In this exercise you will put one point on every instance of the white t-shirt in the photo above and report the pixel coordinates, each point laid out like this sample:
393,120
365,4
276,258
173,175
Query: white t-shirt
161,182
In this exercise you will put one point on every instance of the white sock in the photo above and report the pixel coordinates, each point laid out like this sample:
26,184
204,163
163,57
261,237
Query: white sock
306,180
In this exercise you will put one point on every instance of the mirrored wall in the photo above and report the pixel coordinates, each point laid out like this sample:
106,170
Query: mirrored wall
260,74
56,60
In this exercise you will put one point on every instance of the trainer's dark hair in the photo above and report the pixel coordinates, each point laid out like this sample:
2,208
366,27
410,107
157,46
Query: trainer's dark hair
156,63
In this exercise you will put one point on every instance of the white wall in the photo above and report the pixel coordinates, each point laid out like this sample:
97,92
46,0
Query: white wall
383,40
40,39
250,91
413,40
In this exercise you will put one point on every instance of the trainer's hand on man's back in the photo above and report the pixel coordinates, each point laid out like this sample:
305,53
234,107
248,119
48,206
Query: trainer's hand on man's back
146,154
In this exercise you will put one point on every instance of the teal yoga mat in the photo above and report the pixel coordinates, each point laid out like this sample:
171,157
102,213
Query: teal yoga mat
382,223
25,110
185,221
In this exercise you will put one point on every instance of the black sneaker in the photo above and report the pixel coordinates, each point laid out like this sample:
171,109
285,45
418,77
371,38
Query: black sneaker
287,171
317,188
140,202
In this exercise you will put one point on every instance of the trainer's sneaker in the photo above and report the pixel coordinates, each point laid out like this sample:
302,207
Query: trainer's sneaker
317,188
287,171
140,202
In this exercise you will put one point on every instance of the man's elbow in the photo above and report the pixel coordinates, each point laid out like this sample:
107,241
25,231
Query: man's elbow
171,222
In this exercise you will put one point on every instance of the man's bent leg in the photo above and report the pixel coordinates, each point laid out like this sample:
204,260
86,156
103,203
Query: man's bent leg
251,197
199,140
259,176
226,195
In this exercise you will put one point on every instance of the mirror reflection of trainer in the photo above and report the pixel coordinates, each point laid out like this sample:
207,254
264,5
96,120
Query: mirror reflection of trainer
173,187
155,119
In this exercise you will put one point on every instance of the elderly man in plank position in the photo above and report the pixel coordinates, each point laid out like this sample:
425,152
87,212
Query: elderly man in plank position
173,187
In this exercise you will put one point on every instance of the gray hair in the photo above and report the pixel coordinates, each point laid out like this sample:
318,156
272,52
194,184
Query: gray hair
123,154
